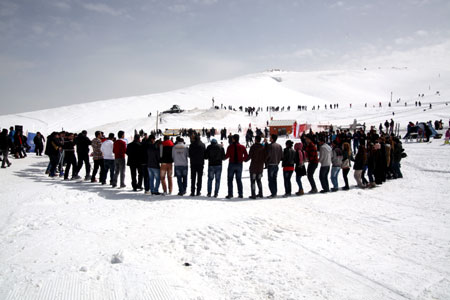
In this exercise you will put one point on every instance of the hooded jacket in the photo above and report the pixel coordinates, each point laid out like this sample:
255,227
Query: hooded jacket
301,155
215,154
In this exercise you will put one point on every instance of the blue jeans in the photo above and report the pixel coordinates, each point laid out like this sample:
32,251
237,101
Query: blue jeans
396,170
334,176
154,178
323,176
181,174
214,172
272,172
287,182
233,169
108,166
298,178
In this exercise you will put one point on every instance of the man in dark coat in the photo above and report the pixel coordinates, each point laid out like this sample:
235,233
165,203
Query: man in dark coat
134,162
153,164
83,142
197,157
215,154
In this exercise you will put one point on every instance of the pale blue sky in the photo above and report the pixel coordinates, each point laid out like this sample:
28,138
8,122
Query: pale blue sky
61,52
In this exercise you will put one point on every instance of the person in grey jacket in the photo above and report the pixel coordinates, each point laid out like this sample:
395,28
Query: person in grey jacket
274,155
325,164
180,155
336,163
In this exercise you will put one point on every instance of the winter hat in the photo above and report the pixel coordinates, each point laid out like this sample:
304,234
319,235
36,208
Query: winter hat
213,141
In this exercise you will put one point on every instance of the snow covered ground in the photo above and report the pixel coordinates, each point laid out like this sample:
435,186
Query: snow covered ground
57,239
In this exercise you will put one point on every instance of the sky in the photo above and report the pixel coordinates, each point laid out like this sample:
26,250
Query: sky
62,52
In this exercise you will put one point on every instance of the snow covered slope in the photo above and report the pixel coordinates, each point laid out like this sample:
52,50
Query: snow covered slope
265,89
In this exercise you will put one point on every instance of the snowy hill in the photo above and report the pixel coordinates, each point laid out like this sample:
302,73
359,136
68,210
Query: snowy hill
277,88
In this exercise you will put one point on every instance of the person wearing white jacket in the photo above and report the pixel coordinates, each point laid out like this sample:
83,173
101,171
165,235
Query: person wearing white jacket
108,159
325,164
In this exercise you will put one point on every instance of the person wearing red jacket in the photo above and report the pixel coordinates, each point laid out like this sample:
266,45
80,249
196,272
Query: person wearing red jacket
119,150
313,159
237,154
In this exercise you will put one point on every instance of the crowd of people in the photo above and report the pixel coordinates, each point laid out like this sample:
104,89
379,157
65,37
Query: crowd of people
153,162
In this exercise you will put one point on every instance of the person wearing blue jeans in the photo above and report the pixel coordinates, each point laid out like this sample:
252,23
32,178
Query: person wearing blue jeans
237,154
214,154
336,164
153,164
181,173
274,156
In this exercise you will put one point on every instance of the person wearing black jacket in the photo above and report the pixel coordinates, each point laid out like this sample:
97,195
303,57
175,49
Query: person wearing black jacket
69,156
197,157
215,154
53,150
153,160
83,143
134,162
5,145
288,163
